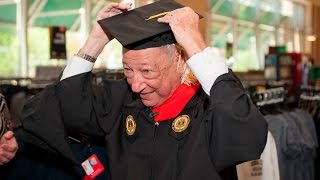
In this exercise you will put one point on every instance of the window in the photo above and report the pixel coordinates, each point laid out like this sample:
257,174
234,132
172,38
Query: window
268,12
221,34
246,10
267,38
246,50
251,26
8,51
222,7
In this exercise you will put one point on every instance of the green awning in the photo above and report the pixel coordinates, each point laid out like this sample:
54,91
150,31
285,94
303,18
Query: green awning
8,13
50,12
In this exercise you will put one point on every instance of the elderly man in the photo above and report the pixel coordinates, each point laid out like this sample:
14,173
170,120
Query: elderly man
178,114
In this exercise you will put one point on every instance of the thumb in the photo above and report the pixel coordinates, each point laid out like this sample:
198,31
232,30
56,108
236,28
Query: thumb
8,135
164,19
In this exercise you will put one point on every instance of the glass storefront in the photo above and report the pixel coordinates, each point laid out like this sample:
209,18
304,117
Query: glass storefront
240,30
254,25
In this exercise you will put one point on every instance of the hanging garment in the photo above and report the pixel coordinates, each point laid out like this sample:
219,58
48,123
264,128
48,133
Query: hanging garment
16,97
296,141
269,157
266,168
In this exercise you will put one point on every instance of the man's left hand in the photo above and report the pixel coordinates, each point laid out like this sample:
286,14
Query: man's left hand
184,23
8,147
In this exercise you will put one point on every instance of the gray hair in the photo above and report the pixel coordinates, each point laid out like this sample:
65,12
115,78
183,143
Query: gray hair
187,76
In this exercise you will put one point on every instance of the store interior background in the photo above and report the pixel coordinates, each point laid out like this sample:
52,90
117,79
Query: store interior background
263,41
272,45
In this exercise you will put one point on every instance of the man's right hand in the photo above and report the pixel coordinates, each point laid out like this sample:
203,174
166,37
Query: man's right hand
184,23
98,38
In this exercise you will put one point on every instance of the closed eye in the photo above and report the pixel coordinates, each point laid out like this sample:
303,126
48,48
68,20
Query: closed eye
146,71
128,72
126,69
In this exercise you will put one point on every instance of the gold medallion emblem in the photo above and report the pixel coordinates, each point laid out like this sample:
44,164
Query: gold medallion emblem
130,125
181,123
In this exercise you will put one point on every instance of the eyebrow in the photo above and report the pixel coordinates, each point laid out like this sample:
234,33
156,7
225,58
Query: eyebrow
144,64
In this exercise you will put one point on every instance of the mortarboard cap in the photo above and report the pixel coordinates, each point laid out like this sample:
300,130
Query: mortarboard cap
139,28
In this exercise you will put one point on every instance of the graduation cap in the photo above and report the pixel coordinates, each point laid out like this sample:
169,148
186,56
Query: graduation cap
139,28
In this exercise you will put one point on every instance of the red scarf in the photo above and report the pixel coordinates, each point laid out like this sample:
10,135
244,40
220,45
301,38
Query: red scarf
173,106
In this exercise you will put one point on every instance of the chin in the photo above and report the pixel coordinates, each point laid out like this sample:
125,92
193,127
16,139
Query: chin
148,103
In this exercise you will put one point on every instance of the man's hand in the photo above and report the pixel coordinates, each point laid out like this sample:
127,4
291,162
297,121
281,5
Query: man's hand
184,23
8,147
97,38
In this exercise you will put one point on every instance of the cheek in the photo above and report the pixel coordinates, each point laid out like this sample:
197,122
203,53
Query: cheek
154,84
163,89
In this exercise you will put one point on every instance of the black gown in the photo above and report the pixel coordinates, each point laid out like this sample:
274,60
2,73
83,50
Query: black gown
225,128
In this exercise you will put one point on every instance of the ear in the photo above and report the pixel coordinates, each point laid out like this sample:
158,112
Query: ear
181,61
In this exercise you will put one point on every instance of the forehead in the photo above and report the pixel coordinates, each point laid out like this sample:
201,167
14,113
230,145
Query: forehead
144,56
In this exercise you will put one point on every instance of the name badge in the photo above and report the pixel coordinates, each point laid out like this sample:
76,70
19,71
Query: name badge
92,166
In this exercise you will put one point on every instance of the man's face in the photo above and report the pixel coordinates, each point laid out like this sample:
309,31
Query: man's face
151,73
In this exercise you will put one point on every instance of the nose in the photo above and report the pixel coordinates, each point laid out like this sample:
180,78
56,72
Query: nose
137,83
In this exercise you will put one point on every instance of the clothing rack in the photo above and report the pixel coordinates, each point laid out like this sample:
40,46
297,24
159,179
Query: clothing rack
103,74
309,100
309,90
269,96
266,83
255,88
307,94
15,80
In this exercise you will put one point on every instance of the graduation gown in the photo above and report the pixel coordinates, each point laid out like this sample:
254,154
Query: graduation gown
225,128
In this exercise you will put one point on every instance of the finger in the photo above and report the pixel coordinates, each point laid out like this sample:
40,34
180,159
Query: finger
4,160
125,6
116,11
105,12
10,148
6,156
109,6
111,12
164,19
8,135
113,9
120,6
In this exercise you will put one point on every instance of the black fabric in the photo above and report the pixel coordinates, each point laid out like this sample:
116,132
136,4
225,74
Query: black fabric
233,111
43,124
16,97
32,164
219,135
10,90
133,31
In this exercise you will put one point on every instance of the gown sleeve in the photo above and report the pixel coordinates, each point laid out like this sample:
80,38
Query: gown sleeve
81,101
71,103
238,129
42,125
